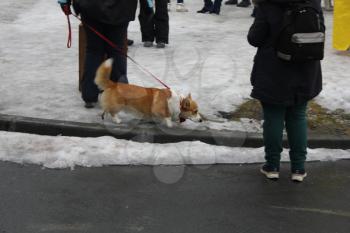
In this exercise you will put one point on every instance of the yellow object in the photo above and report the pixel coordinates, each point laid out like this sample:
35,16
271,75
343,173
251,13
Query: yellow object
341,34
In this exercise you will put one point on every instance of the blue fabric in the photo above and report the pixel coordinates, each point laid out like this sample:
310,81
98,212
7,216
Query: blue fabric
62,1
150,3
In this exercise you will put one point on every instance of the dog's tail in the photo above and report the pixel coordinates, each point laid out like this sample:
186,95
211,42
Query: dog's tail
103,75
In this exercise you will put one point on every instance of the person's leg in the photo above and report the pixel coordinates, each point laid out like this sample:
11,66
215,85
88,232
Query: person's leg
296,126
161,19
216,7
208,4
94,57
118,35
273,133
146,18
328,5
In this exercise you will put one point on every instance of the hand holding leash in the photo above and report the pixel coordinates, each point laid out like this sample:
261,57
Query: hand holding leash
65,6
66,9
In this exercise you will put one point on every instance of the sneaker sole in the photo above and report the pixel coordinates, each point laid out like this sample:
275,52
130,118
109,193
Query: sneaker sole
298,178
270,175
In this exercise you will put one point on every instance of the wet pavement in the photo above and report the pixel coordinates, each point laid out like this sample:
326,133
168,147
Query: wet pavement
220,198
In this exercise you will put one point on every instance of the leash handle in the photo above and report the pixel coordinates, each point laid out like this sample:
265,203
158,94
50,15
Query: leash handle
113,45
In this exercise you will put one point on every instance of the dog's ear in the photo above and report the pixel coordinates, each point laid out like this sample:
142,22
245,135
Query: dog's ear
181,100
189,96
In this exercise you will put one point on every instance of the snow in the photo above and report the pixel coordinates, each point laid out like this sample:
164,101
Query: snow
208,55
68,152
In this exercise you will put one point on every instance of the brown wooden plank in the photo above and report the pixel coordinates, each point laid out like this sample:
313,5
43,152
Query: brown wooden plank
82,46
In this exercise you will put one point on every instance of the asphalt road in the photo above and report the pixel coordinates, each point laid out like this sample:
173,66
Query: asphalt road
225,198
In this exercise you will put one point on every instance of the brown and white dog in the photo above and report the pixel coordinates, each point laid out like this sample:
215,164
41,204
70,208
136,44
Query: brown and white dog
151,103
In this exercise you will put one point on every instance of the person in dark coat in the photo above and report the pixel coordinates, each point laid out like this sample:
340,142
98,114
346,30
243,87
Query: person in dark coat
111,18
154,24
283,88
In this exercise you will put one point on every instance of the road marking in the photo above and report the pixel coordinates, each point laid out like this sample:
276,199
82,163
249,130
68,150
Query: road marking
319,211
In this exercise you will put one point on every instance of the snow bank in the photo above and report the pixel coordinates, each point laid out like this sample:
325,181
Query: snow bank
67,152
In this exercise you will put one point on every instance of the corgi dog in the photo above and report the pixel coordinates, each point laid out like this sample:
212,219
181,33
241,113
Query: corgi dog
151,103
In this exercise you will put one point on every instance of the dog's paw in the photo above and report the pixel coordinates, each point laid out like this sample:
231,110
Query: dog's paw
116,120
168,122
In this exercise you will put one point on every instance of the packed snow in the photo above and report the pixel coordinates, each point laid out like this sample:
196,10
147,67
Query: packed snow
68,152
208,55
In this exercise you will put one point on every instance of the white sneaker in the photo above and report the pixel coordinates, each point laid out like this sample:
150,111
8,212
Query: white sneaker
180,7
298,175
270,172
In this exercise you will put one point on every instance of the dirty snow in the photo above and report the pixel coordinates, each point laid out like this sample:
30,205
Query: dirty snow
68,152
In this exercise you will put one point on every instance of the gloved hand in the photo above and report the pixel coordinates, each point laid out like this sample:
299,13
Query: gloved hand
65,6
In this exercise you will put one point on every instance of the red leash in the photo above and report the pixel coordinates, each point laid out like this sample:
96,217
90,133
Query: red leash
69,41
113,45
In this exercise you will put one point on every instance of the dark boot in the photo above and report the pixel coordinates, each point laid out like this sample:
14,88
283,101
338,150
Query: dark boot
89,105
231,2
244,3
205,10
208,6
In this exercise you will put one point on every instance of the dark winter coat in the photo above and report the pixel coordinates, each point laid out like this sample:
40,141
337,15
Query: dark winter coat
275,81
115,12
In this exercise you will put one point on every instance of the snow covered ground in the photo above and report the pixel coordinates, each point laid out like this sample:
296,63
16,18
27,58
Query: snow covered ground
67,152
208,55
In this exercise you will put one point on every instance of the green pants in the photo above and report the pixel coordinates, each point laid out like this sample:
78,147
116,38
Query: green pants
294,119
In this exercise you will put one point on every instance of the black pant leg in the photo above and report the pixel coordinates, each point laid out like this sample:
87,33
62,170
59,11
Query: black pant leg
217,6
93,58
118,35
208,4
146,18
161,19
